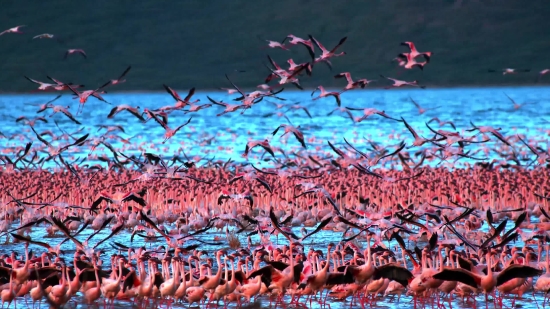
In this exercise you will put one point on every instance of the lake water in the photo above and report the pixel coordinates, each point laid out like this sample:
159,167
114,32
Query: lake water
225,137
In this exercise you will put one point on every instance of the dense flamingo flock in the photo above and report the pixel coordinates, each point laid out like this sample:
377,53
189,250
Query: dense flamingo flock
403,219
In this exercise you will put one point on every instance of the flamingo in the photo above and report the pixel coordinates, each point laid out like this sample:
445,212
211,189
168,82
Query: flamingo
291,129
121,79
411,63
84,95
318,280
169,287
123,107
294,40
422,110
275,44
487,282
360,83
250,177
93,293
324,94
367,112
210,283
326,54
118,198
543,282
400,83
418,140
8,295
181,291
110,288
510,71
75,51
542,73
16,29
179,102
44,36
41,85
64,110
228,286
414,53
516,105
169,132
264,144
488,129
229,108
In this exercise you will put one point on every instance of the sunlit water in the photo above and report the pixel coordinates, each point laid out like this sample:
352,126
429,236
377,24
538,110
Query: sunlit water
230,132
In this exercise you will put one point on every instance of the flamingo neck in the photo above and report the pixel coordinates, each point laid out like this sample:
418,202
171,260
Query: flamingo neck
119,273
175,271
547,263
440,260
369,256
489,265
291,273
219,273
327,265
232,272
226,269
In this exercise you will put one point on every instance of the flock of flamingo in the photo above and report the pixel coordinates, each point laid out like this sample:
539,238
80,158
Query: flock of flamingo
396,224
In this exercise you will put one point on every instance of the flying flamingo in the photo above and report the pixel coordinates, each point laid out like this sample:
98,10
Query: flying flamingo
410,62
45,86
31,122
195,108
62,109
399,83
288,77
75,51
541,73
509,71
132,110
324,93
488,129
291,129
84,95
169,132
179,102
294,40
44,36
118,198
264,144
516,105
367,112
326,54
12,30
229,108
120,79
297,107
414,53
275,44
420,109
62,85
351,84
42,85
46,105
418,141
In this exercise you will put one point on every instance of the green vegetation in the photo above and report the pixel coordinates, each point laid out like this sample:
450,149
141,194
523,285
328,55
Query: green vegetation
194,43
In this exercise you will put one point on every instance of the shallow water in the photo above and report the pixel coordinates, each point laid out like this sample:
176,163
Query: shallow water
483,106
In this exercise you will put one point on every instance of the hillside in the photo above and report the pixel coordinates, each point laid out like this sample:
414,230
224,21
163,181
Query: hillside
194,43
